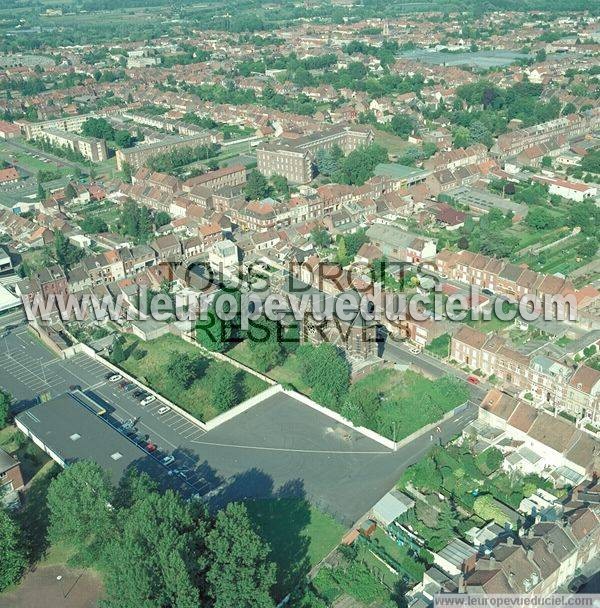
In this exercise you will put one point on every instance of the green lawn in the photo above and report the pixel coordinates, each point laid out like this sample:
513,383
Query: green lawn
151,370
288,373
393,143
409,401
440,346
31,457
300,536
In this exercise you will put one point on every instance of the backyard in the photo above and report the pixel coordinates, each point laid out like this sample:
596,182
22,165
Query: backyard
149,361
462,490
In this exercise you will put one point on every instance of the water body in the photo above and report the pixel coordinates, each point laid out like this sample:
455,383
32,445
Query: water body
480,59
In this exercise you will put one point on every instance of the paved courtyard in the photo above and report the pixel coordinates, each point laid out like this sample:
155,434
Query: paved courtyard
278,447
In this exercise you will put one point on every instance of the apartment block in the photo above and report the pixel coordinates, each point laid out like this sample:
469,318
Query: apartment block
34,130
89,147
137,156
512,143
293,158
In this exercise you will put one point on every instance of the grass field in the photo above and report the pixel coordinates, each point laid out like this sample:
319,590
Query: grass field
409,401
27,161
152,370
300,536
393,143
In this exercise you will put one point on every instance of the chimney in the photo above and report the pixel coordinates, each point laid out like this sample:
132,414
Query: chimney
511,579
510,541
550,545
529,553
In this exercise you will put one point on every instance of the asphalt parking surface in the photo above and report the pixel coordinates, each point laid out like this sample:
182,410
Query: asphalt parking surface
280,447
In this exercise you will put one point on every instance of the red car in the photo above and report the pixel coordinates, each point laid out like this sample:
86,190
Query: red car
472,379
150,447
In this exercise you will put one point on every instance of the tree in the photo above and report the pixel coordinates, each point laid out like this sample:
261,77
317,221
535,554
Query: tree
183,368
79,506
98,127
257,186
70,192
325,369
359,165
342,254
588,248
13,560
123,139
402,125
326,161
162,218
213,332
223,383
540,218
239,573
126,171
5,400
94,225
320,237
280,183
41,193
154,559
66,253
265,346
117,356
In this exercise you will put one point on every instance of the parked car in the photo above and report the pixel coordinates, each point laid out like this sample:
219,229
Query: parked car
163,410
123,384
167,460
115,377
472,379
147,400
150,447
415,350
74,387
487,292
138,394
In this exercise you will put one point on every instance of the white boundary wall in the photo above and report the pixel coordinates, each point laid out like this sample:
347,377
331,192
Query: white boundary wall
273,390
84,348
388,443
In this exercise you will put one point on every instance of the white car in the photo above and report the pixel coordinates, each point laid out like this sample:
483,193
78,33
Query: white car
147,400
415,350
167,460
115,378
163,410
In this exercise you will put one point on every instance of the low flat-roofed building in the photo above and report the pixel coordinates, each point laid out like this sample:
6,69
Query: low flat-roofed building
391,507
481,201
68,432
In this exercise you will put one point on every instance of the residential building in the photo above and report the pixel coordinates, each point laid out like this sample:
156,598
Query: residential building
550,384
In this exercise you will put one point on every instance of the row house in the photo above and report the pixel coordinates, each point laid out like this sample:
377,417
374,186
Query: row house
234,175
47,282
452,159
550,383
500,276
570,126
541,560
110,266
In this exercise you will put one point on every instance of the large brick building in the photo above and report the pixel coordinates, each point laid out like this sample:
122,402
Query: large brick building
293,158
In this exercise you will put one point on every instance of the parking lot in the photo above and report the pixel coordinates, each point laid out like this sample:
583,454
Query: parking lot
277,447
